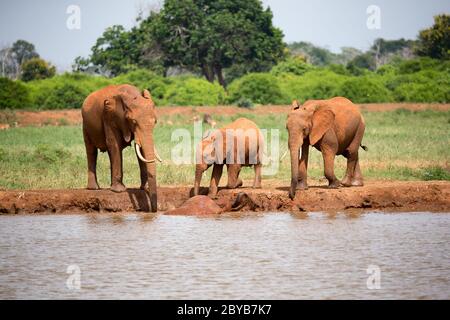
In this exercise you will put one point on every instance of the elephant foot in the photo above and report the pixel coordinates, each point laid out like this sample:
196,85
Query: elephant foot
257,186
334,184
346,182
93,187
118,187
357,183
302,186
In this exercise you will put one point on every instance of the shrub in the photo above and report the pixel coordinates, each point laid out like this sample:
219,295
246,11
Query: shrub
36,68
13,94
194,91
63,96
244,103
261,88
365,90
317,84
295,65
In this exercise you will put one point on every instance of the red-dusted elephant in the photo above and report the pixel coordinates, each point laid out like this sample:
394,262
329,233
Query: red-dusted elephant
112,118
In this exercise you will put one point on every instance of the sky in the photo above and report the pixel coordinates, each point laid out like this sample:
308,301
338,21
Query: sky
328,23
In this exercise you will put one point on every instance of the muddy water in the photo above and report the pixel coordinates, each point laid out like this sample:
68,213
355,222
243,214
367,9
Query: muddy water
265,256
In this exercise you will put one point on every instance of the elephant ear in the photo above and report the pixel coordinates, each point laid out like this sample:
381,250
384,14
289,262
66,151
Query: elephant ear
322,121
115,105
295,105
146,94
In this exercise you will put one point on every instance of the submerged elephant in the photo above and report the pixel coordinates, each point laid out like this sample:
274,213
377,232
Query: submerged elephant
204,205
238,144
112,118
334,127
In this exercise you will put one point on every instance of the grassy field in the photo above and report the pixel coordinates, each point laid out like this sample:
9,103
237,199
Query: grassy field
403,145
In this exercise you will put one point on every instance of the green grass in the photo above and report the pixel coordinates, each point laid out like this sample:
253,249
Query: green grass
403,145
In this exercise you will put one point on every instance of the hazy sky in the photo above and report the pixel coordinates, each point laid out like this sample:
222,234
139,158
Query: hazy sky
328,23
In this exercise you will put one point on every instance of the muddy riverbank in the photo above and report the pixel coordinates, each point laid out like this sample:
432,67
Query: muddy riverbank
392,196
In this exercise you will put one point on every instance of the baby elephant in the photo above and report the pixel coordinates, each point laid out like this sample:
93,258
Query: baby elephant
238,144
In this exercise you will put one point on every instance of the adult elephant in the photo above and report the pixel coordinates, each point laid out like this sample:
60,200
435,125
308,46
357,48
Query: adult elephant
334,127
112,118
238,144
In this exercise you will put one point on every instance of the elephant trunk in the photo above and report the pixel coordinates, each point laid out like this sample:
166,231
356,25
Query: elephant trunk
149,153
198,178
294,150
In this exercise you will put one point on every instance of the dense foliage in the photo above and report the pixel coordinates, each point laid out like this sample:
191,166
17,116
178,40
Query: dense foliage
418,80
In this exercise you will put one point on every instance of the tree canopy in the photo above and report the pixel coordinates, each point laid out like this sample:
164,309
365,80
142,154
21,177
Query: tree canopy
435,41
212,35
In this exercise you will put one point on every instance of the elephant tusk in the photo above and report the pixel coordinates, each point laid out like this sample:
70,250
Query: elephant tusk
139,154
157,155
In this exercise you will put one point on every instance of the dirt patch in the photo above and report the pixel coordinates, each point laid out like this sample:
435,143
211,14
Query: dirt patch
73,117
389,196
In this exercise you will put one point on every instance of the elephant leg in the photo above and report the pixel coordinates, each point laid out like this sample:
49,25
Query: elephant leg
328,161
349,173
91,152
303,168
233,176
215,179
329,148
115,158
143,171
257,180
357,177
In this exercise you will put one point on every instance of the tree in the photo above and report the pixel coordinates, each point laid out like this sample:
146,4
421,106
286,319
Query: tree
23,51
37,68
209,36
118,51
384,51
113,51
11,58
435,41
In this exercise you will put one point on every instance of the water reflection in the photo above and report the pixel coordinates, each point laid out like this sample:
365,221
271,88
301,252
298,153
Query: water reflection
280,255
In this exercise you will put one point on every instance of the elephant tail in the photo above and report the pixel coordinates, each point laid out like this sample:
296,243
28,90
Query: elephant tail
364,148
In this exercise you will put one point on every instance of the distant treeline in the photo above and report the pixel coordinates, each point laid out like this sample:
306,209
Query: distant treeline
229,52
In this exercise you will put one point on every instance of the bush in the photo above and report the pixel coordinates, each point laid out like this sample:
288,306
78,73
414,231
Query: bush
244,103
13,94
66,96
365,90
194,91
295,65
317,84
36,68
261,88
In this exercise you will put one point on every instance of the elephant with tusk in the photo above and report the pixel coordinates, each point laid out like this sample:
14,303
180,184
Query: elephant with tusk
112,118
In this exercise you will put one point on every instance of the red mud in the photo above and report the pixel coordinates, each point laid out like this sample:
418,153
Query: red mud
73,117
387,196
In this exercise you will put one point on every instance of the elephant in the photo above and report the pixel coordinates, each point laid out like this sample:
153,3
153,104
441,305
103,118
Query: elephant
238,144
204,205
112,117
334,127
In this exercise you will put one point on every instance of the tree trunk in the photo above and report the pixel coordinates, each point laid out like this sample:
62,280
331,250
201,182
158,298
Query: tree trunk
208,72
219,73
